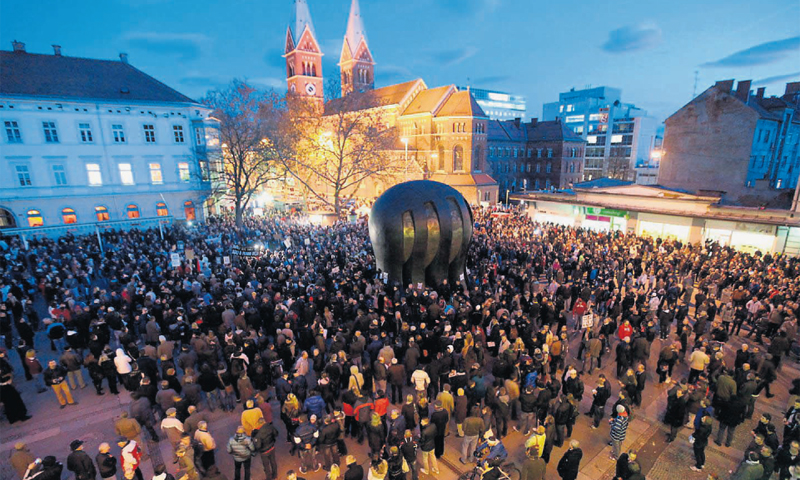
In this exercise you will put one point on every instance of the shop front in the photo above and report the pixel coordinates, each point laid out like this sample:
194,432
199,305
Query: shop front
667,227
604,219
556,213
747,237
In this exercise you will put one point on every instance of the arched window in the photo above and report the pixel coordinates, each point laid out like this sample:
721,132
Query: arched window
68,216
188,210
441,158
132,210
35,218
102,213
161,209
313,69
7,219
458,158
477,161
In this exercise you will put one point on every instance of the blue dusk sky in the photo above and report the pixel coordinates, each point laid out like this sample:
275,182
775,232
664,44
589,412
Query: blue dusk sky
650,49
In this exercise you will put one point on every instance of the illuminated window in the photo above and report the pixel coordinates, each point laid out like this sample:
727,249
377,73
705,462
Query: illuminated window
183,171
126,174
35,218
616,139
93,171
132,211
7,219
161,209
102,213
68,216
155,173
188,210
574,118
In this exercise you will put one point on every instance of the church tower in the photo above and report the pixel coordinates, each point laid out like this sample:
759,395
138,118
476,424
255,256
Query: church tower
356,64
303,55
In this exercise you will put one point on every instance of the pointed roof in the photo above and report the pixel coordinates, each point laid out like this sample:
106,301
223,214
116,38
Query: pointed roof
428,100
355,29
301,18
461,104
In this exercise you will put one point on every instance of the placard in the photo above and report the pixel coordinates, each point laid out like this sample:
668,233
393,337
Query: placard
176,259
226,260
587,320
189,254
307,242
288,243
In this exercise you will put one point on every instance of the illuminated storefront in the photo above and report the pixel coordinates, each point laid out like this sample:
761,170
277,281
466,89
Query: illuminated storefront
605,219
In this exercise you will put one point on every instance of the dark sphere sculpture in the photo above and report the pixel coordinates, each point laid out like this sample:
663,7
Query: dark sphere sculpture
420,231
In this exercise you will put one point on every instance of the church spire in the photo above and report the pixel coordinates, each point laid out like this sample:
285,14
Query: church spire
356,64
303,54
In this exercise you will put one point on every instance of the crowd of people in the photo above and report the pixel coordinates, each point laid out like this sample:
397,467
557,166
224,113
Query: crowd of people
352,360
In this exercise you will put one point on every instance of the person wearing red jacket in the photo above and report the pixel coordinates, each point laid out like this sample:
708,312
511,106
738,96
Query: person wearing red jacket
130,457
625,330
381,405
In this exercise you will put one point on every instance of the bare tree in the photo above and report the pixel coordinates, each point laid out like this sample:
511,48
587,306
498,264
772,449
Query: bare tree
332,153
245,115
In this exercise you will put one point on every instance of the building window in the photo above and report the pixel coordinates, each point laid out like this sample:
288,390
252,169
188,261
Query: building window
538,168
183,171
530,152
549,153
161,209
12,132
50,132
7,219
199,138
149,133
126,174
119,133
132,210
458,158
538,153
188,210
59,175
35,218
95,177
86,132
68,216
549,167
23,176
515,153
101,213
155,173
547,183
441,158
177,130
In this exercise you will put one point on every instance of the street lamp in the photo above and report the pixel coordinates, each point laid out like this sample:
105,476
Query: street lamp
405,143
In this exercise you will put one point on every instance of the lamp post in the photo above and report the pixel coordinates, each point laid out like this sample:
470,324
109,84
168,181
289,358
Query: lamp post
405,143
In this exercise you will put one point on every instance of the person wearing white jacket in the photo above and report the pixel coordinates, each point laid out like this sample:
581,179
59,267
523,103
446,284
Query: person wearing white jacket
123,363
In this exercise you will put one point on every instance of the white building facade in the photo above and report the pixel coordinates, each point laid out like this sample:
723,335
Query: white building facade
91,141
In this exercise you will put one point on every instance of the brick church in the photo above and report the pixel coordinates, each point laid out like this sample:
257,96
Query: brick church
443,129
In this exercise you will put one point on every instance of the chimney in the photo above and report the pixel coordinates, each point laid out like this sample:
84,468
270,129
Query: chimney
792,87
760,92
743,90
18,46
517,121
534,121
725,85
57,50
123,57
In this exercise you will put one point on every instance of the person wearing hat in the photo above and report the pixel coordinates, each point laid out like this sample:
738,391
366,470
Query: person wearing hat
20,458
174,430
354,470
250,417
80,463
241,448
47,469
106,463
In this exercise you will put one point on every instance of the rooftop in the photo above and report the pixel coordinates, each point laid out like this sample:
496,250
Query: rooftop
55,76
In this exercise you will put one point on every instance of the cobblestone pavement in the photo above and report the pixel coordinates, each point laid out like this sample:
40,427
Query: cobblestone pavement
51,429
